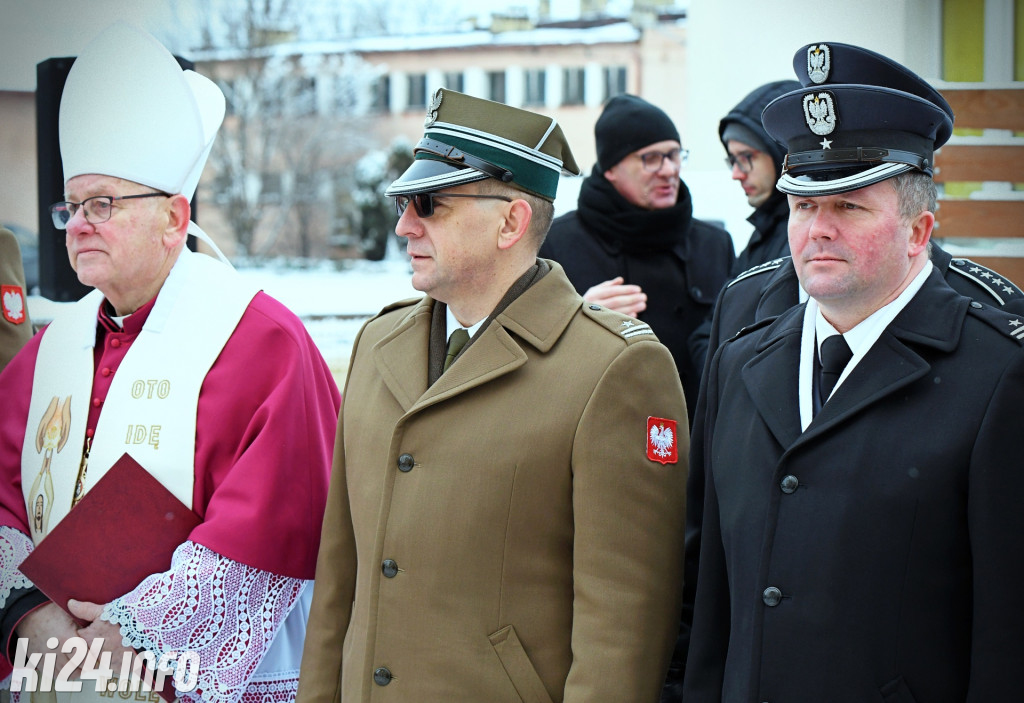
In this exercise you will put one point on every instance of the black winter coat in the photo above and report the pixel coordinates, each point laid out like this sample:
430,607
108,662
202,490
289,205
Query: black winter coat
681,271
764,293
770,239
877,555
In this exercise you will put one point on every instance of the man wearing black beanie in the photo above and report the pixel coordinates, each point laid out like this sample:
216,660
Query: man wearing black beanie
632,244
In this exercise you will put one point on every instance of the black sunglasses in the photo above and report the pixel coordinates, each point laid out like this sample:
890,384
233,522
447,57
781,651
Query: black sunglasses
424,202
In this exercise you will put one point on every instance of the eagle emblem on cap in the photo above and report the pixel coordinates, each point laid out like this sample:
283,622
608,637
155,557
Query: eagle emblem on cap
819,62
820,113
432,108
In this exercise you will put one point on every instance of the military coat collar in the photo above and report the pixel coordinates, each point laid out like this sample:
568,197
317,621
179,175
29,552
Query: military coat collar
537,318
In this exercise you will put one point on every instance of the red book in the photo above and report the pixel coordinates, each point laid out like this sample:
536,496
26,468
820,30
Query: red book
124,529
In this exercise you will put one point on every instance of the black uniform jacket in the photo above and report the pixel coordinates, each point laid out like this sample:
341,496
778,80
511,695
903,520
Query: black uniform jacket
772,288
878,555
765,292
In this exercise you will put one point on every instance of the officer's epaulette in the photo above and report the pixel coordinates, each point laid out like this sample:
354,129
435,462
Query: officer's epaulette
405,303
1012,325
760,268
626,327
1001,290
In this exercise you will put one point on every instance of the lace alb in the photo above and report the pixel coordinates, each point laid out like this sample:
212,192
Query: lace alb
15,546
225,612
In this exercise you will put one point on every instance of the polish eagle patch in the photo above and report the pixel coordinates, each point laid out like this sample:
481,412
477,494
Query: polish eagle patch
12,299
662,440
819,62
820,113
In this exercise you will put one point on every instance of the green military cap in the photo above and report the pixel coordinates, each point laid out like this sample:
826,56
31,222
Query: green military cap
468,139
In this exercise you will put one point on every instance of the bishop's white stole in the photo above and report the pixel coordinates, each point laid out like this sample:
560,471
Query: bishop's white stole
150,410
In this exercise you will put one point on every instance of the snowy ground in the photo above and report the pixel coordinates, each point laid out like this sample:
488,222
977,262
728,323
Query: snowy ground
334,304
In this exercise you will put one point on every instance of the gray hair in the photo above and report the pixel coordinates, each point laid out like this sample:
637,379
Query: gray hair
915,193
543,210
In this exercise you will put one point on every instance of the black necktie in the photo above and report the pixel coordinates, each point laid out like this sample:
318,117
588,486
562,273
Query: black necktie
835,354
455,344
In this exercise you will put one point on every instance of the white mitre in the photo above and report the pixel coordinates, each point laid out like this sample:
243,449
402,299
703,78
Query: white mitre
129,111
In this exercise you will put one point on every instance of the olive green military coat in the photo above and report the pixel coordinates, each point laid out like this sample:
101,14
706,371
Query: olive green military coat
502,535
15,325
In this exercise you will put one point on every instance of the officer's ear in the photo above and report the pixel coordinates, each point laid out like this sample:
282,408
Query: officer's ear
516,222
921,231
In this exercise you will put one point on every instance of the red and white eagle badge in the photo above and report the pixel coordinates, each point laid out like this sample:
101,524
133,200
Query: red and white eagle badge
12,300
662,444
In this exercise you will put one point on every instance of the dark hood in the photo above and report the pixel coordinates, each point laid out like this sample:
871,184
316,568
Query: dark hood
748,113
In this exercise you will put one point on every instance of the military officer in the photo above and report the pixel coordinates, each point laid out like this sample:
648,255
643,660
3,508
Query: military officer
503,518
860,526
15,325
771,288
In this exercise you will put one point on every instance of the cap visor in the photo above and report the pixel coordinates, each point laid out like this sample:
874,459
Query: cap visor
832,181
428,175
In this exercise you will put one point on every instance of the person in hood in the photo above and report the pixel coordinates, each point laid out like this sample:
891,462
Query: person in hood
755,161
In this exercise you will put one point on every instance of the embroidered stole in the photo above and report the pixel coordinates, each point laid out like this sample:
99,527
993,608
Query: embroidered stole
150,411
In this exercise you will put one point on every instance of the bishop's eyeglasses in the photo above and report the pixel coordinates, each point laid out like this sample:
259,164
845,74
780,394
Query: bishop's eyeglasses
97,209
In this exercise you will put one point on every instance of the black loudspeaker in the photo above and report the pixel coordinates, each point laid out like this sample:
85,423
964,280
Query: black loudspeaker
57,280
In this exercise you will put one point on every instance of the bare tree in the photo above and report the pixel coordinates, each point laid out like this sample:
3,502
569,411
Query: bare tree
283,164
282,150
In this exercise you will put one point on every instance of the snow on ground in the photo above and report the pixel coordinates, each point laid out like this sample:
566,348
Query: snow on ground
334,304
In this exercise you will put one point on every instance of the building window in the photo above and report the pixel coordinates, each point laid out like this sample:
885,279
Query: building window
417,90
535,93
454,80
302,98
345,91
614,81
496,86
572,86
380,95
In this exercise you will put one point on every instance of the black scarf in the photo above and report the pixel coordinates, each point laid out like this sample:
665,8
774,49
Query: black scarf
624,227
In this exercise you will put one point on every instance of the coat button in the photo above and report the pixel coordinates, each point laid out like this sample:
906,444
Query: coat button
405,463
789,484
771,596
115,342
595,307
976,305
381,676
389,567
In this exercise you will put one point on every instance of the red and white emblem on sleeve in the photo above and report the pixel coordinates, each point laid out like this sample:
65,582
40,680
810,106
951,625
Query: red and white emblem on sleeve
662,440
12,299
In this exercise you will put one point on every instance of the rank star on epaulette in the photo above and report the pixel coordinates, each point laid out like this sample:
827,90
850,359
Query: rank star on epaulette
1017,329
662,440
12,300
